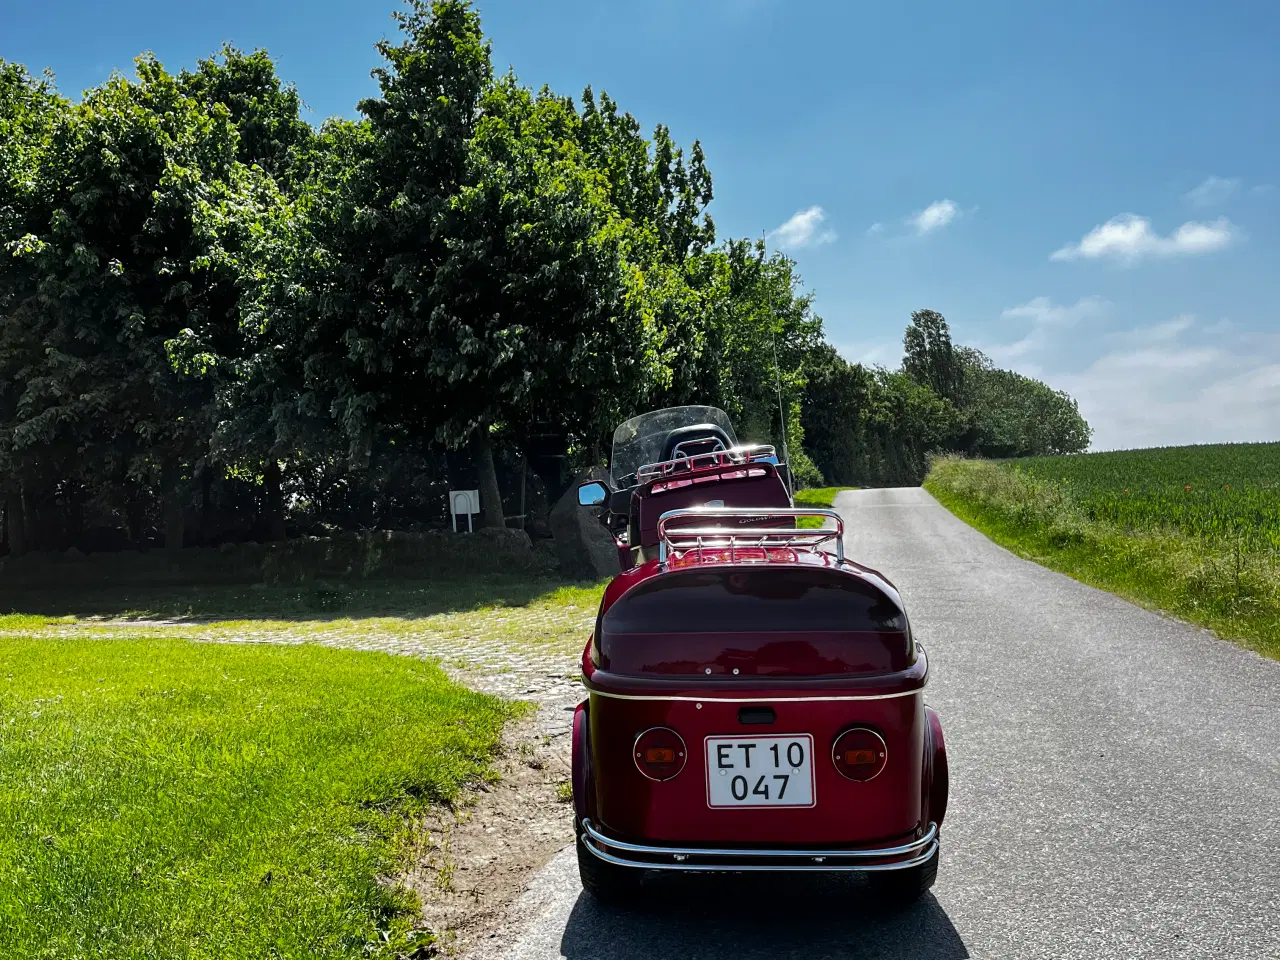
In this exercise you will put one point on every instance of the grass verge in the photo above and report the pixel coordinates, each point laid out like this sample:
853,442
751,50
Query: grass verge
163,798
817,497
1212,584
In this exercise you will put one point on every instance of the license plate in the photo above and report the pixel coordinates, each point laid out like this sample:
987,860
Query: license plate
760,771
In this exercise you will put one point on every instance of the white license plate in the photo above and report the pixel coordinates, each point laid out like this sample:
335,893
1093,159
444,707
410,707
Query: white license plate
760,771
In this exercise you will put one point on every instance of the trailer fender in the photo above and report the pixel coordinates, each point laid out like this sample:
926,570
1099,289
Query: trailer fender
583,784
939,772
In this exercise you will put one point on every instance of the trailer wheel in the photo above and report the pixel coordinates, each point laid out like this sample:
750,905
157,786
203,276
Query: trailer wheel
901,888
606,882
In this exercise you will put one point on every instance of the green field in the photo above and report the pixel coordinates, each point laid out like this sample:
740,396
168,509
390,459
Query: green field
1221,493
162,798
1191,530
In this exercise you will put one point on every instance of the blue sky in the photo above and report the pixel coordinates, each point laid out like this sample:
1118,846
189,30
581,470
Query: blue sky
1090,191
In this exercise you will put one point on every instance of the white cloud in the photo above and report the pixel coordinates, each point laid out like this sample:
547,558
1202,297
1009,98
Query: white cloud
934,217
1042,312
1164,384
803,230
874,229
1213,191
1128,238
1175,390
1046,318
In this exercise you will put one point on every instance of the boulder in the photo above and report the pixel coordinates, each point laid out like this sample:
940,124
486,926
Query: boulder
584,547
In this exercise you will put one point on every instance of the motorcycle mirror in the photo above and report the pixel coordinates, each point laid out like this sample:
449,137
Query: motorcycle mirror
592,494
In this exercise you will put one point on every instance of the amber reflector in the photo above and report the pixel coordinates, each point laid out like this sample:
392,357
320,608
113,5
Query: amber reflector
659,753
860,754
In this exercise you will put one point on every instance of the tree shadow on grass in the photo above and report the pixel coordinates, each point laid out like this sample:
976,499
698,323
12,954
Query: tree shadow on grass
752,917
303,602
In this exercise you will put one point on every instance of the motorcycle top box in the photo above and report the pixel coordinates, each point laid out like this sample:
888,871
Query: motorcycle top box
755,702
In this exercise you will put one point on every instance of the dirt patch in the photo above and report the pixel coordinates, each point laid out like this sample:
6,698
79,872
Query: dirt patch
473,860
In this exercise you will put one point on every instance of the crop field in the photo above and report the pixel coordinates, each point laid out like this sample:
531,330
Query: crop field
1224,492
1194,531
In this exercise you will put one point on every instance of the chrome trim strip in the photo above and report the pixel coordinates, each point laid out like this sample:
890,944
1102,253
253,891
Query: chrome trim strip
763,697
593,840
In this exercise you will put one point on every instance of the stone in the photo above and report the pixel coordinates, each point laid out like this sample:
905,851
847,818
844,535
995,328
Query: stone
584,547
74,553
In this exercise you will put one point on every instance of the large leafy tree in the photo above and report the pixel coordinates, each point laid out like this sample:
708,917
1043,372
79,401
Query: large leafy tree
30,113
266,113
539,309
358,259
145,192
758,331
872,427
1011,415
930,358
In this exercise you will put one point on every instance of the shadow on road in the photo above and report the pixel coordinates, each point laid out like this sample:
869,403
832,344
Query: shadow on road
297,602
732,919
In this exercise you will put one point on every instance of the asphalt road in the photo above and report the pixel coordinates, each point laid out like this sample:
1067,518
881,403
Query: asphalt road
1115,787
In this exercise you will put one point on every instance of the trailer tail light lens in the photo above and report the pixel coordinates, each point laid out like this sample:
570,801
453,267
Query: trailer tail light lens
860,754
659,753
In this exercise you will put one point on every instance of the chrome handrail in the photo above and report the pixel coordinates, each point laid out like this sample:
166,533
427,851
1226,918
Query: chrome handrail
760,537
732,457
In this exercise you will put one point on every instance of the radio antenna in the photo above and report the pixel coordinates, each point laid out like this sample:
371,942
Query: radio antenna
782,417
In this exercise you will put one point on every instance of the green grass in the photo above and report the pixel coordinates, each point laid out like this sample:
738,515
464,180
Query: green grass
28,621
1127,523
817,497
162,798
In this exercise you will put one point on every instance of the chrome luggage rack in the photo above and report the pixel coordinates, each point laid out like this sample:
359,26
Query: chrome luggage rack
732,457
709,536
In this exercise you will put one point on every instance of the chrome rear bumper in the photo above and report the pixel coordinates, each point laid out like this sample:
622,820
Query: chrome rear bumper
730,860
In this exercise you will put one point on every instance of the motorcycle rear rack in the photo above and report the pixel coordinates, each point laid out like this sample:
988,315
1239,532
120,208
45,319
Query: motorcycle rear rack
713,458
758,536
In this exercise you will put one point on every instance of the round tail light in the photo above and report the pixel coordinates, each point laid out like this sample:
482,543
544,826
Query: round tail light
659,753
860,754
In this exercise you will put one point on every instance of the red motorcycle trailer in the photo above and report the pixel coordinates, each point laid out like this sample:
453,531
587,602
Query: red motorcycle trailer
755,702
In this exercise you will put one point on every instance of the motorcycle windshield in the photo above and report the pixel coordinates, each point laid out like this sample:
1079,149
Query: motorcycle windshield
640,440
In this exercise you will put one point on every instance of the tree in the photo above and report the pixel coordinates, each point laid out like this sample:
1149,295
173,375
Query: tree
537,308
835,413
929,358
30,113
758,330
144,189
1010,415
265,112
